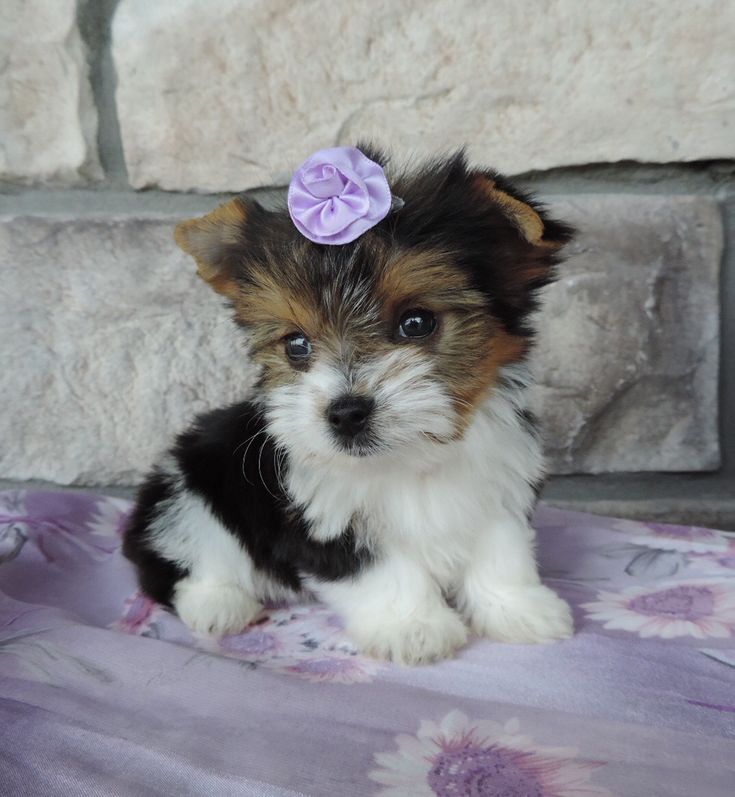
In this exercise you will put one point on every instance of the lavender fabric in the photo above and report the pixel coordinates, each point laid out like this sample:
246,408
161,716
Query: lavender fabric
104,693
338,194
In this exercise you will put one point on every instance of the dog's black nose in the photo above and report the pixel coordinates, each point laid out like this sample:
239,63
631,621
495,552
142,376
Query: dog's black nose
349,415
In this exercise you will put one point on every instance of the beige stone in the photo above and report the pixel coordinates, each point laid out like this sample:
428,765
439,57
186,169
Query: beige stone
236,93
111,344
48,120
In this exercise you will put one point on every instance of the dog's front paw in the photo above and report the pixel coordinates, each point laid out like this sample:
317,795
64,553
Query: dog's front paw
419,639
208,607
529,614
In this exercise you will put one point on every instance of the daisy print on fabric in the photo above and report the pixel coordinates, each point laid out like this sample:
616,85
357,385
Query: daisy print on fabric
12,539
715,560
256,643
109,517
138,615
57,523
340,668
459,757
698,609
12,525
665,537
305,641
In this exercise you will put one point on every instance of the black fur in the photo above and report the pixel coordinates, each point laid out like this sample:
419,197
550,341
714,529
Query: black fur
443,210
228,459
157,576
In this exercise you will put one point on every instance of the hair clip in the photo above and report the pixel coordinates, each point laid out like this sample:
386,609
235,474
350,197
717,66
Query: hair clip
338,194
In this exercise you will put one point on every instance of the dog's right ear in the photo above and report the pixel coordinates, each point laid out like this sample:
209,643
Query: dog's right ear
214,241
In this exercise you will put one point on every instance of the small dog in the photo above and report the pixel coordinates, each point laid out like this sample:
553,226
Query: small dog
387,463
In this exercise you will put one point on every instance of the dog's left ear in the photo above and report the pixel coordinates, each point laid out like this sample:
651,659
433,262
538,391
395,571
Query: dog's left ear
525,248
546,234
215,241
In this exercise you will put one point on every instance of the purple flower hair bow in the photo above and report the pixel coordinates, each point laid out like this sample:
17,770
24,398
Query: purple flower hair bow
338,194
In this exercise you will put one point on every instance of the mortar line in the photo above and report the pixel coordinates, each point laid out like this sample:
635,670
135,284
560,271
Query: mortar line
94,18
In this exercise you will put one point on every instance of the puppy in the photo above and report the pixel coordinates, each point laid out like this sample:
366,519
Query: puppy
387,462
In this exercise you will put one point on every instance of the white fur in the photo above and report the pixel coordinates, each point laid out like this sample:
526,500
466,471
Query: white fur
445,521
395,610
444,518
520,614
215,607
330,484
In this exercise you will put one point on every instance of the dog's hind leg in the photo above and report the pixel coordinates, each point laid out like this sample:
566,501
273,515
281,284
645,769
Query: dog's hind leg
186,558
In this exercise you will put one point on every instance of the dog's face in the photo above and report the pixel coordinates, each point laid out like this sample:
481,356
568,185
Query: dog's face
389,343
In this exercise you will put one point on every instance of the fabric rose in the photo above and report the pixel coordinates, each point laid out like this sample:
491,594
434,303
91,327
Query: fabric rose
338,194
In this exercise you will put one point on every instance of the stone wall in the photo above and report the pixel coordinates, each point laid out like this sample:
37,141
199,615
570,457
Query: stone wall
256,83
119,118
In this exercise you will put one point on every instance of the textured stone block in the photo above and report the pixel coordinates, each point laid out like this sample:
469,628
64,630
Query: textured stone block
110,343
628,342
48,121
235,94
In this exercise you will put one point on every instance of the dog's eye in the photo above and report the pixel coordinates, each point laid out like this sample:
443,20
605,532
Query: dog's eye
416,324
298,347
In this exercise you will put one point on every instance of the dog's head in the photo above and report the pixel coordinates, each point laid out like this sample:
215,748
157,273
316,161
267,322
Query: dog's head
391,341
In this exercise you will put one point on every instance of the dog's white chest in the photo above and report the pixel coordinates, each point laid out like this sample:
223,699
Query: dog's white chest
428,512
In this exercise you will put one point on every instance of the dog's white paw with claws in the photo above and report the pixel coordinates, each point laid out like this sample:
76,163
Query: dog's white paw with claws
528,614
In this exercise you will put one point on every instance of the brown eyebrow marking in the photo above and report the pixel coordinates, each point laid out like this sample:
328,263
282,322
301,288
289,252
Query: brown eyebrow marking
265,300
423,277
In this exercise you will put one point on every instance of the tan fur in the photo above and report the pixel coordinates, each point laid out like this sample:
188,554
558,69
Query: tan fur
523,216
424,279
467,350
502,349
207,238
268,300
469,347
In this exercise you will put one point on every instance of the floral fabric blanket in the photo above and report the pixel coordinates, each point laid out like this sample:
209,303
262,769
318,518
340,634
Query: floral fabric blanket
104,693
